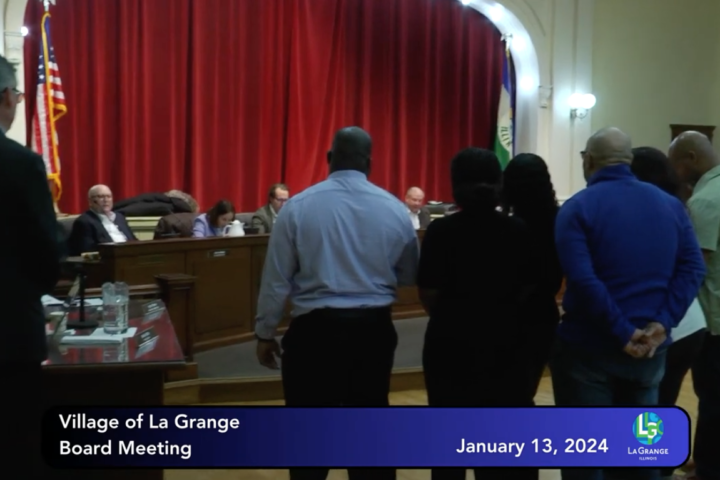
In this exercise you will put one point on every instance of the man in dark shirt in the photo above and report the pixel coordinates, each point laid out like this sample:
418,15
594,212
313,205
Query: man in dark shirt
633,267
29,267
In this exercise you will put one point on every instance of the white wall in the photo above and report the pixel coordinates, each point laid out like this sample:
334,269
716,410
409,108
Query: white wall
656,62
13,12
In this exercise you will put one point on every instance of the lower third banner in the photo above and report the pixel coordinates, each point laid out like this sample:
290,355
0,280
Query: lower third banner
402,437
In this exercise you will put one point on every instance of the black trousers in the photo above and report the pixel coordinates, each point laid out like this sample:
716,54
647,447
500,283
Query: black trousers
536,347
706,380
475,374
20,419
335,357
680,358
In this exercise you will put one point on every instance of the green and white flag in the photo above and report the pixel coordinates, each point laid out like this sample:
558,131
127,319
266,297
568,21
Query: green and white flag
505,135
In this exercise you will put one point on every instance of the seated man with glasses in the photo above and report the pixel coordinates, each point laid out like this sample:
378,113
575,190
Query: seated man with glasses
99,224
264,217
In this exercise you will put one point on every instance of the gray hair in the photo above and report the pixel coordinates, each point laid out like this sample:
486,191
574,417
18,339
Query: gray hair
7,74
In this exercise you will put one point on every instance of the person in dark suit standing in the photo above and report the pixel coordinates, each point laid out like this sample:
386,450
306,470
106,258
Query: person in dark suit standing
30,252
99,224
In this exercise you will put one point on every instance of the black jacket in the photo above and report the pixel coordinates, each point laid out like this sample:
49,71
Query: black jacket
151,205
88,232
30,250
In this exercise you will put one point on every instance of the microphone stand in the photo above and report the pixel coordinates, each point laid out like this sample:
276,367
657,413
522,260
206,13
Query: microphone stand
82,323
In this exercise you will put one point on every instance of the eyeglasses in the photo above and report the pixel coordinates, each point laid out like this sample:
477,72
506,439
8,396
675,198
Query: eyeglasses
20,95
583,152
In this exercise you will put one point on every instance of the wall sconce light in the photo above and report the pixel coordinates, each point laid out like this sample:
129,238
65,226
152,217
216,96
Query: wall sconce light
580,104
14,47
544,95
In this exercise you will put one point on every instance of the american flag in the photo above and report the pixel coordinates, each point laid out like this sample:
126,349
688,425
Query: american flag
49,107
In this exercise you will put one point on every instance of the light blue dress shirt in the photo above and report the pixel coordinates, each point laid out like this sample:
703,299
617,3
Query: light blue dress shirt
203,229
342,243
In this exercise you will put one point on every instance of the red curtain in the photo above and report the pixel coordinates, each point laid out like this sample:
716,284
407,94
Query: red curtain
221,98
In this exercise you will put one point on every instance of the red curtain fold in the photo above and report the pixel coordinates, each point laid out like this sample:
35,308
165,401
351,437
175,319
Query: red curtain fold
222,98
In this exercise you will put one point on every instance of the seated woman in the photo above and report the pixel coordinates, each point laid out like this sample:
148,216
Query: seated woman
212,223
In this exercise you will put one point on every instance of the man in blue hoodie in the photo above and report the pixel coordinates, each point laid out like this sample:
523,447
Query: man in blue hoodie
633,267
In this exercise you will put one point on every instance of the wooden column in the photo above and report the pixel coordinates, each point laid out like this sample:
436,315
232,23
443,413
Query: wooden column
176,291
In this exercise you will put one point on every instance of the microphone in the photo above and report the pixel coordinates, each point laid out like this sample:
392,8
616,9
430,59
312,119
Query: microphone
79,291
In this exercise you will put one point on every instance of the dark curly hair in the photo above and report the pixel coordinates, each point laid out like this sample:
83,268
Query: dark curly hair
528,190
653,166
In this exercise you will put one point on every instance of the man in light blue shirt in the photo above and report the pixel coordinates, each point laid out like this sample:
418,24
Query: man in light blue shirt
338,250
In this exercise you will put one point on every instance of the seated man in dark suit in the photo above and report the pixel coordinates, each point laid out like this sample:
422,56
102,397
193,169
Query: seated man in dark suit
99,224
264,217
415,201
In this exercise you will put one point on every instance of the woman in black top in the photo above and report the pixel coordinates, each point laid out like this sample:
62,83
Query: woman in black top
475,269
528,194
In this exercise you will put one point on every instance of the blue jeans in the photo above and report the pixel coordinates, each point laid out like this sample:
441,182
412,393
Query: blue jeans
588,378
706,380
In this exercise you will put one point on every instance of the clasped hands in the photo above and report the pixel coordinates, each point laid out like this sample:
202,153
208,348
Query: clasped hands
645,342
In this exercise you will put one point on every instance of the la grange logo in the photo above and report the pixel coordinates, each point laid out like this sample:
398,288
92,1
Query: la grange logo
648,430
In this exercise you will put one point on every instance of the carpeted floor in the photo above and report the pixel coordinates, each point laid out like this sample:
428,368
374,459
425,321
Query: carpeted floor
240,361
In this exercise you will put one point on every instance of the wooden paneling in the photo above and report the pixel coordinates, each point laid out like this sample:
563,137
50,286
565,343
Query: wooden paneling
677,129
226,305
227,273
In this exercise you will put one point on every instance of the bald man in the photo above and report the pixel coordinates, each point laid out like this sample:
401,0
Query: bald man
698,164
99,224
633,267
414,200
341,274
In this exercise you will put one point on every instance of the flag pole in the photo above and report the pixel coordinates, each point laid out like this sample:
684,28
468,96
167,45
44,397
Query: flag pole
51,184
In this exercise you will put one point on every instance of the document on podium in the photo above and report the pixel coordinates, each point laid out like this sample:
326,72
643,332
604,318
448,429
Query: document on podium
98,337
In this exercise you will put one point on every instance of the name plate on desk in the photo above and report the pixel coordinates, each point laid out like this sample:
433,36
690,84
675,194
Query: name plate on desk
218,253
146,342
153,310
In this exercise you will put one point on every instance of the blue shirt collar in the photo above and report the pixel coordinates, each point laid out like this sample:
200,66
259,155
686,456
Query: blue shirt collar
348,174
612,172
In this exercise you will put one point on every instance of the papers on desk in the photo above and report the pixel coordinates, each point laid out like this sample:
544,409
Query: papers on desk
49,301
98,337
90,302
